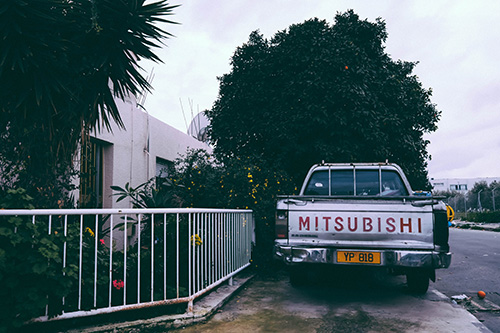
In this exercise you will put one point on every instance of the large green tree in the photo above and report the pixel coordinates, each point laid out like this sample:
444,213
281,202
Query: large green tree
62,64
317,92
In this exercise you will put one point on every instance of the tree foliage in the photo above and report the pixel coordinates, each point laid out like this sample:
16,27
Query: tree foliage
317,92
30,265
62,63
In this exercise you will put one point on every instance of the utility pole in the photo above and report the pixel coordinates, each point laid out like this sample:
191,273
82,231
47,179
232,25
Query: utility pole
493,197
479,200
465,203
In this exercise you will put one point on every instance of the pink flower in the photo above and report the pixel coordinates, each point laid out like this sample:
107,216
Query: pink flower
102,241
118,284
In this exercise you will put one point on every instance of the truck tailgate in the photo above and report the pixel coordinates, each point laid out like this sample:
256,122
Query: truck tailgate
361,224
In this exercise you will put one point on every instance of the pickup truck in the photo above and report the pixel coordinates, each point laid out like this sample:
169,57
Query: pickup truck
362,214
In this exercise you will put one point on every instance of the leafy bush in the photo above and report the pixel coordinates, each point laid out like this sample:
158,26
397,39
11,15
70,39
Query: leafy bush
244,183
30,265
33,274
485,217
198,180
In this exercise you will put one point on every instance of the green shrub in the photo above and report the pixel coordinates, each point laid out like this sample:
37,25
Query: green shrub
33,275
198,180
30,265
243,183
485,217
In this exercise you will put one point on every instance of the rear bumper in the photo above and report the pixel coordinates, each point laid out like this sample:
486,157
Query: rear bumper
389,258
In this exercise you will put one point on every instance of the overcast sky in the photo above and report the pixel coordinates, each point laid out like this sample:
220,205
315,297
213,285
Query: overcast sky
456,42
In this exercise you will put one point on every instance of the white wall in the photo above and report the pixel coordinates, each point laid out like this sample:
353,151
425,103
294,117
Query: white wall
126,155
446,184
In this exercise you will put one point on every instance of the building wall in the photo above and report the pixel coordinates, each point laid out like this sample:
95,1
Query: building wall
130,154
459,184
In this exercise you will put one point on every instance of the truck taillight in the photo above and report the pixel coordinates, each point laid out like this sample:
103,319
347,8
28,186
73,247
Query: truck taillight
441,229
281,225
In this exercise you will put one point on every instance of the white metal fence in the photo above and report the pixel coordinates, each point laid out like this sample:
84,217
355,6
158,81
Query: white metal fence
130,258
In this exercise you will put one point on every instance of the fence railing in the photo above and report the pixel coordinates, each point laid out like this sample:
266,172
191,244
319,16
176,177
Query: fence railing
118,259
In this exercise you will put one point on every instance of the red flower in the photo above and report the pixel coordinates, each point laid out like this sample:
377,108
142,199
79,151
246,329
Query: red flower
118,284
102,241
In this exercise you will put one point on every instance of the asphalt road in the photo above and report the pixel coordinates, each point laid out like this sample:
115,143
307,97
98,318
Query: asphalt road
475,266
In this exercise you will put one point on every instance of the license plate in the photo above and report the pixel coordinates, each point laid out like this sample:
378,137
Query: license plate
358,257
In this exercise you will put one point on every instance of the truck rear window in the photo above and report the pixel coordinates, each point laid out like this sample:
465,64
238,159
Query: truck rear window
356,182
342,182
392,185
318,183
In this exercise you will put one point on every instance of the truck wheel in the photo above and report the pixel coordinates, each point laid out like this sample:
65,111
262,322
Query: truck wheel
298,276
418,282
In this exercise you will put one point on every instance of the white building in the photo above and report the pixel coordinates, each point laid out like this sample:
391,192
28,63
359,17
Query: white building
459,184
132,155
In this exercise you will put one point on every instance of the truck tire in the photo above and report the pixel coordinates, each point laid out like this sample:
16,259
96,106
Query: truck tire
417,281
298,276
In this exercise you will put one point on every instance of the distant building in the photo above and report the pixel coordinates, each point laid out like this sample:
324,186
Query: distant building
459,184
146,148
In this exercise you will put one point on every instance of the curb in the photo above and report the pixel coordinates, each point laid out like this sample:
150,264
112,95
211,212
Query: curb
477,226
203,309
495,227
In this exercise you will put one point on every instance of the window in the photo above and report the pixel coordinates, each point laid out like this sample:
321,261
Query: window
367,182
356,182
458,187
318,183
342,182
163,170
392,185
163,167
91,173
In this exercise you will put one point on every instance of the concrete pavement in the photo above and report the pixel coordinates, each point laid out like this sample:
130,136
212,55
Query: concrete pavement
270,304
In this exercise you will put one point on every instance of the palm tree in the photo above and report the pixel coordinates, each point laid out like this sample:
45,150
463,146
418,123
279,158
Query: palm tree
62,64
